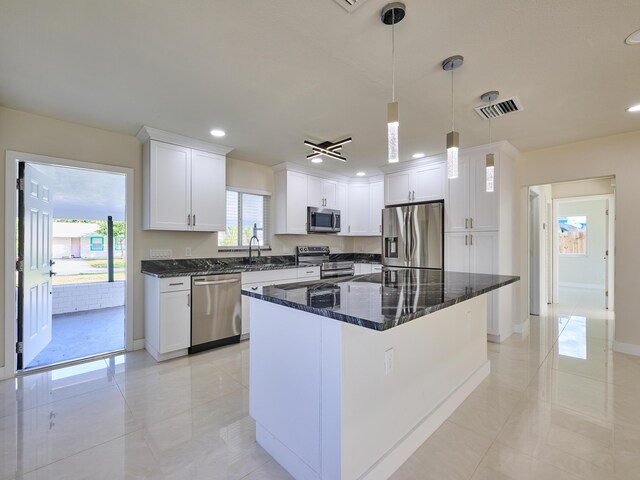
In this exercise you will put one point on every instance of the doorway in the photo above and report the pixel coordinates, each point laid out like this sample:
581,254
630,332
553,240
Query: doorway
571,243
67,257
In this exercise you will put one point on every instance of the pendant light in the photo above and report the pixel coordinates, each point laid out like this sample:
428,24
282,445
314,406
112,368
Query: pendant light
391,14
489,98
453,137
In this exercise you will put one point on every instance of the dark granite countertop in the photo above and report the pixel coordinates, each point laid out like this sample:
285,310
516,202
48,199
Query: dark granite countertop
211,266
382,300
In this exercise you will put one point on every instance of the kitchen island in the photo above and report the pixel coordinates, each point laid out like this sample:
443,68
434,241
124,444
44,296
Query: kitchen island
349,376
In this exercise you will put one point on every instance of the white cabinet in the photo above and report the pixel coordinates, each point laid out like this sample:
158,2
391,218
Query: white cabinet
184,188
376,268
419,184
470,206
322,192
365,202
359,205
376,204
290,202
361,268
167,316
265,278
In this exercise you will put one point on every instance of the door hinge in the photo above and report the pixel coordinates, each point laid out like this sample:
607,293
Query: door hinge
606,253
19,265
19,347
20,184
607,211
606,293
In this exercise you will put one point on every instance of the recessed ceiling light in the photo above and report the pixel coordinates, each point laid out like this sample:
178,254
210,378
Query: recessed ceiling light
316,160
633,39
635,108
418,155
217,132
361,174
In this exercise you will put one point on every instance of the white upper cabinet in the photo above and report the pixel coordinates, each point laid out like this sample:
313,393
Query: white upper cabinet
359,204
470,206
321,192
376,204
184,187
290,202
419,184
208,191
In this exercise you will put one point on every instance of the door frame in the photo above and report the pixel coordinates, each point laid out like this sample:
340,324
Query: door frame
11,174
610,242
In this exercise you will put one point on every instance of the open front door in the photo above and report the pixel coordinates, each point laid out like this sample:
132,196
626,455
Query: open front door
35,289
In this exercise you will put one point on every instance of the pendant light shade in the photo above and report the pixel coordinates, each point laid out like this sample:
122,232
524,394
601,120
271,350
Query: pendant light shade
392,131
453,137
490,162
453,144
390,15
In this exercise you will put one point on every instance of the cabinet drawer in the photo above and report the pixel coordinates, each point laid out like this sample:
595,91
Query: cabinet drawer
376,267
175,284
272,276
309,272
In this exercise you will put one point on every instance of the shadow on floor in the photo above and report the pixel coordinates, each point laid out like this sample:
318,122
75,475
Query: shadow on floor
83,334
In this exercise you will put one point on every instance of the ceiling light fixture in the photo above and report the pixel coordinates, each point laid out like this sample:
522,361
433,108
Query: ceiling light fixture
453,137
418,155
635,108
489,98
328,149
316,160
216,132
391,14
360,174
633,39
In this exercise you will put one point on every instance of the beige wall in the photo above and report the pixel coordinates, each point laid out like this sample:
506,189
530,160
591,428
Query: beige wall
594,186
618,156
25,132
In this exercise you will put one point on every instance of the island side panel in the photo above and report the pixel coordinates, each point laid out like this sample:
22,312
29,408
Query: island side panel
295,394
438,360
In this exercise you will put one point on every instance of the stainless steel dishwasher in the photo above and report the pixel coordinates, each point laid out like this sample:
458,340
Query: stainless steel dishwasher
216,311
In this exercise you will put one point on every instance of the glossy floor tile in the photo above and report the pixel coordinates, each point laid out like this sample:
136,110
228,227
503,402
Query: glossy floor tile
559,403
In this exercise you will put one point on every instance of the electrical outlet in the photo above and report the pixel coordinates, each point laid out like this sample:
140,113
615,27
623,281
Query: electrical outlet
389,361
160,253
187,252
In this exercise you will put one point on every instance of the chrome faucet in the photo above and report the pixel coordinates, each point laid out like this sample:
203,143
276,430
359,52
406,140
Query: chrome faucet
255,235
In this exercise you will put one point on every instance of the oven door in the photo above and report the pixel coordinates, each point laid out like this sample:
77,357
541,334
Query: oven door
323,220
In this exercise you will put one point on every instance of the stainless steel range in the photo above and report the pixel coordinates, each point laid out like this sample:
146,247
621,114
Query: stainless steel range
320,256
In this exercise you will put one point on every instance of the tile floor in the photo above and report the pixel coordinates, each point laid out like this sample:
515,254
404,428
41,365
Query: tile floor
559,404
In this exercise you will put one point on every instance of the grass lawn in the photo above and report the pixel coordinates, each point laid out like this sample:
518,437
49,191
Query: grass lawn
86,278
102,262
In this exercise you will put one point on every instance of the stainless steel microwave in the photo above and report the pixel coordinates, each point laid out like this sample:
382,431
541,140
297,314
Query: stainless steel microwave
323,220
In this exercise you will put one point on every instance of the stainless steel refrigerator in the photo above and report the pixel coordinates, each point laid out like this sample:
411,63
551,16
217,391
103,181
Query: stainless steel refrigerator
413,236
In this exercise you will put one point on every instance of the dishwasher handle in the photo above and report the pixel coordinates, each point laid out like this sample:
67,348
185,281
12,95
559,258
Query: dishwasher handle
197,283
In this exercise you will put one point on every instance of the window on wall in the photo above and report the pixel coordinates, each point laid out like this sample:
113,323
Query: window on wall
244,210
572,235
97,244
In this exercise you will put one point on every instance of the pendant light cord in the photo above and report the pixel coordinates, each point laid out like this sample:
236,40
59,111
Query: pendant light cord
453,112
393,56
490,110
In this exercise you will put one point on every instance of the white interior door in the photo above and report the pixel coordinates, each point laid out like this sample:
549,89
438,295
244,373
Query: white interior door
37,289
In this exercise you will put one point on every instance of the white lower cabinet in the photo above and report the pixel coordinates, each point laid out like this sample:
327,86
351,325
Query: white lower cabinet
265,278
361,268
167,316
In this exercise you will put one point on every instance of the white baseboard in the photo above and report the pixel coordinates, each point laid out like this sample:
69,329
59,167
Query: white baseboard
401,452
521,327
138,344
628,348
3,373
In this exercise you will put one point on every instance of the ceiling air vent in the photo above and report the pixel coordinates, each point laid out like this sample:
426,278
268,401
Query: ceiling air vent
498,109
350,5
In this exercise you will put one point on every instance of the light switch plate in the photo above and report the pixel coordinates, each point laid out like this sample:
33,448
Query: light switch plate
187,252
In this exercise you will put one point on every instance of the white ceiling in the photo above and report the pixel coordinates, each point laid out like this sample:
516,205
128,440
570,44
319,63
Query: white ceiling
274,73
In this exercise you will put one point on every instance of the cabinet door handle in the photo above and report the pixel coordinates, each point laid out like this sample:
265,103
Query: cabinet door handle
413,194
466,239
349,228
470,239
309,271
175,284
189,219
194,219
471,222
466,223
379,228
188,299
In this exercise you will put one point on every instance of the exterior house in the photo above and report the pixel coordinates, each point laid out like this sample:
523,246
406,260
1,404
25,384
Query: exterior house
81,240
